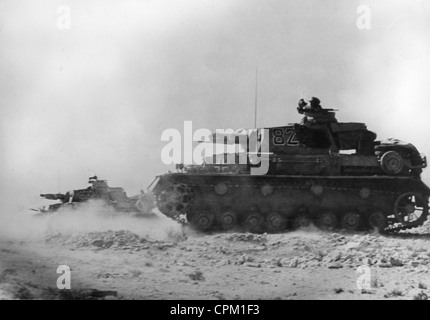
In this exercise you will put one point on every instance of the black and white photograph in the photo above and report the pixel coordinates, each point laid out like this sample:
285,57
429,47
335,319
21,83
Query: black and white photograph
222,152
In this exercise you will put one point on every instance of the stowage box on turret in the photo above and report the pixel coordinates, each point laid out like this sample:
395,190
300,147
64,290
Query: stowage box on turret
321,171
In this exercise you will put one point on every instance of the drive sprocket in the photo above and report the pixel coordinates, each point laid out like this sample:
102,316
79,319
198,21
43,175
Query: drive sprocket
174,199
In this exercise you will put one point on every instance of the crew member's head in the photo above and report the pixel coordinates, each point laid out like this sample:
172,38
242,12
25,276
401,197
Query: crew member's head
314,102
302,103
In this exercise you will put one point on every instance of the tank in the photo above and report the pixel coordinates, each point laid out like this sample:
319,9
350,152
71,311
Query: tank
115,197
332,174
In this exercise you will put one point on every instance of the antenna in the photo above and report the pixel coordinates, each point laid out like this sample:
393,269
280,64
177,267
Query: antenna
58,177
256,91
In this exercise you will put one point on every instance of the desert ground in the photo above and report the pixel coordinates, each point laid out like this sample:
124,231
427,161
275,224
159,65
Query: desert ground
113,256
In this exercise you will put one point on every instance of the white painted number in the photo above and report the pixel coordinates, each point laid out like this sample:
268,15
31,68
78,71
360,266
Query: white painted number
280,137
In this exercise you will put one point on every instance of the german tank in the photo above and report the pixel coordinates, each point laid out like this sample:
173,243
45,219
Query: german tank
115,197
320,171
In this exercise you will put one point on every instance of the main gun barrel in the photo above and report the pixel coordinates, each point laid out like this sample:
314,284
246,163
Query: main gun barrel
52,196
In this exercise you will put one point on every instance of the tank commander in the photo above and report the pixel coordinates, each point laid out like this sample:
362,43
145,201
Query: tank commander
315,105
313,112
302,106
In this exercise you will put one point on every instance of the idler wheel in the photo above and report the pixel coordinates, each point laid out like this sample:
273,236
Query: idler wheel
327,221
377,220
203,221
411,209
392,163
254,222
275,222
351,221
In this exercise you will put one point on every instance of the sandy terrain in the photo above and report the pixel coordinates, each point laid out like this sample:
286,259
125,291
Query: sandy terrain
115,257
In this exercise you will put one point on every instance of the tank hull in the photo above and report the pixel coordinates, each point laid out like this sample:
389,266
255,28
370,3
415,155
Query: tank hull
275,203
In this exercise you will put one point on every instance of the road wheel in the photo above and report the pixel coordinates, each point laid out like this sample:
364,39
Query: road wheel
276,222
228,219
377,220
327,221
301,220
203,221
254,222
351,221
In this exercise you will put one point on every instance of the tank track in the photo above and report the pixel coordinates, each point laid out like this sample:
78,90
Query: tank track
213,195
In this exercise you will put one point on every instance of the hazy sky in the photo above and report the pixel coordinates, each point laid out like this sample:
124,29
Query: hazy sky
95,99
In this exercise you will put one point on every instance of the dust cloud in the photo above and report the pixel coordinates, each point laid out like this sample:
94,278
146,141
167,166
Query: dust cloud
91,216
